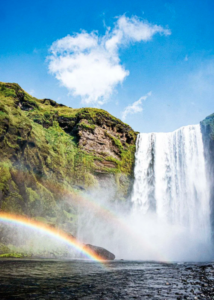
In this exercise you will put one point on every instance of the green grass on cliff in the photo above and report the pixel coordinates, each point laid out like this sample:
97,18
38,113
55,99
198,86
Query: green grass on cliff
41,162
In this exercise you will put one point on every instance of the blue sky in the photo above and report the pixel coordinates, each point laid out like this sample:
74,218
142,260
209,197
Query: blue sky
158,75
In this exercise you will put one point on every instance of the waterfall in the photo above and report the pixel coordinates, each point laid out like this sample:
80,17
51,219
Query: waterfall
171,179
169,215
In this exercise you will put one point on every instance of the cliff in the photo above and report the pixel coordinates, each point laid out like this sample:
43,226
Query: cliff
207,129
48,151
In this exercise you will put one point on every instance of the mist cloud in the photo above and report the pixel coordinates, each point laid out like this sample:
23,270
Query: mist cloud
88,64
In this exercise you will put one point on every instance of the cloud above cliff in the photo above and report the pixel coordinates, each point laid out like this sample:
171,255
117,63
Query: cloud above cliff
135,107
88,64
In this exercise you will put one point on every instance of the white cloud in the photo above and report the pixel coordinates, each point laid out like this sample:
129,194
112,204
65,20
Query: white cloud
88,65
135,107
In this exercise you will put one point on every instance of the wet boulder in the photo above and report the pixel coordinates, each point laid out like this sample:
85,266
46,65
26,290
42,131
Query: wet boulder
102,252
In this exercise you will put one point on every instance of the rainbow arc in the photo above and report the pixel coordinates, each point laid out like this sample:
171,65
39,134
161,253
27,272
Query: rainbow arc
50,231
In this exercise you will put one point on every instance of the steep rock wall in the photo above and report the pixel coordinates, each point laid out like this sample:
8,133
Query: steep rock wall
207,128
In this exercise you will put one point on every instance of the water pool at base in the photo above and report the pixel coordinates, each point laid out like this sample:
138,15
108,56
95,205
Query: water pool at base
79,279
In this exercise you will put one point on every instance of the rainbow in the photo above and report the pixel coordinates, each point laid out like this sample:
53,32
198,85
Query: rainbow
53,232
109,215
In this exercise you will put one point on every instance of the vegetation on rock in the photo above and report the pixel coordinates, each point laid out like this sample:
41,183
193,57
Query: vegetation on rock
208,126
48,151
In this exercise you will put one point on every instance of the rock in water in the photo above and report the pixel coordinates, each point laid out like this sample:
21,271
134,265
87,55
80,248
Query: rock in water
103,253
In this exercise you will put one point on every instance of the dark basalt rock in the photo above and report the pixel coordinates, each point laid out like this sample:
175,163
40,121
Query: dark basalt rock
102,252
207,129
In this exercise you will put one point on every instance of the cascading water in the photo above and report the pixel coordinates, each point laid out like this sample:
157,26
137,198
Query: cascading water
171,180
169,218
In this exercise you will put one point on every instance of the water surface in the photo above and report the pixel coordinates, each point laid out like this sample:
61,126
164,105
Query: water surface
79,279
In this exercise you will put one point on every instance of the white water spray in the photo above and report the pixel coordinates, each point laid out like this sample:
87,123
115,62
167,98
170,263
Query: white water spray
171,182
169,218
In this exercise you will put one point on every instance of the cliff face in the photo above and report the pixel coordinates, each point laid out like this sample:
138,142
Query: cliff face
207,129
48,150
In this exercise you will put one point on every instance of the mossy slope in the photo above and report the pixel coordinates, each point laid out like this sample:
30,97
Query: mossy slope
47,150
207,126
